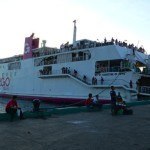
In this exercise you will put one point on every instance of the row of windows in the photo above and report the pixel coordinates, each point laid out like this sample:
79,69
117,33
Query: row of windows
111,66
63,58
14,66
10,74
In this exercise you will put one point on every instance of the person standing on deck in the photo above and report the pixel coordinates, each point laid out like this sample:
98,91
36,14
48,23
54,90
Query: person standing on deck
131,84
113,100
102,80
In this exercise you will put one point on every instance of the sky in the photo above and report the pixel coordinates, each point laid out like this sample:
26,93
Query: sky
52,20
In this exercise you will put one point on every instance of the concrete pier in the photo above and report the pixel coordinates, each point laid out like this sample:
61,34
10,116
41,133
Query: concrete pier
79,131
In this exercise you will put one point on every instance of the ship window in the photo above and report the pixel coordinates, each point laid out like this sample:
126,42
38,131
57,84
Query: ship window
46,70
80,56
115,65
38,62
63,58
101,66
108,66
14,66
45,61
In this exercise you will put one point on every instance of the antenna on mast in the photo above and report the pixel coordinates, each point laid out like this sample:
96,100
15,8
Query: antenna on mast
74,32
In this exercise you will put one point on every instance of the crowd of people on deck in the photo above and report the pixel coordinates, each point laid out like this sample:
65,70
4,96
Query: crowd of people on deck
87,44
67,70
45,71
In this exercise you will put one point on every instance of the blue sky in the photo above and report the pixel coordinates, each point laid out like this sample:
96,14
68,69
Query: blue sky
51,20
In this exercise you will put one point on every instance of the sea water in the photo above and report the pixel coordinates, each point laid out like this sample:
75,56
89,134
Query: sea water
24,104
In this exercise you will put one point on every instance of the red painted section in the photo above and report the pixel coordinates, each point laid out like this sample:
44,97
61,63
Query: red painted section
55,100
29,45
35,43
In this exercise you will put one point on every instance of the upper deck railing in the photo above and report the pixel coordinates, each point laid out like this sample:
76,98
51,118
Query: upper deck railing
83,44
11,59
85,78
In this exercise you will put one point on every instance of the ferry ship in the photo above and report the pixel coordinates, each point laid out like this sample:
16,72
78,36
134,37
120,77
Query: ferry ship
69,73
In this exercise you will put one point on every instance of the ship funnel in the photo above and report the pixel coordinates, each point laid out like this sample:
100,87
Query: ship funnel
43,43
74,32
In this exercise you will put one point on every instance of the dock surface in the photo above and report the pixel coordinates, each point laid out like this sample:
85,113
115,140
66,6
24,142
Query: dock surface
79,131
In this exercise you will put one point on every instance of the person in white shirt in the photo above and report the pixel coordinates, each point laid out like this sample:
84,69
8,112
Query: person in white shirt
96,101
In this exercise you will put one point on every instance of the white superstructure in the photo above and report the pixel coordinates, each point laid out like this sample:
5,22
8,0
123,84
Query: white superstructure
70,73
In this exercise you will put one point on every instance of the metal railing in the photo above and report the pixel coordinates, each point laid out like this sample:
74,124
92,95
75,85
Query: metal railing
88,80
113,69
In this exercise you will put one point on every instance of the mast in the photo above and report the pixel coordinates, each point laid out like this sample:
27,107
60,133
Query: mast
74,32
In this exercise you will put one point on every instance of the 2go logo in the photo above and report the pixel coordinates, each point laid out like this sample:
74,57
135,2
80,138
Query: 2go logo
4,82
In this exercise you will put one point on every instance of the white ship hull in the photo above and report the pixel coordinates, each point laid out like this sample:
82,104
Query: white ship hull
39,72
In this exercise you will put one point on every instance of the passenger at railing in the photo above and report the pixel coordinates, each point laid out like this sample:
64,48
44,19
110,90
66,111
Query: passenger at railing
69,71
48,71
142,50
63,70
112,40
131,84
45,61
62,46
67,46
66,70
44,71
133,51
116,42
70,47
102,80
105,41
103,69
120,43
84,78
75,73
94,80
41,72
98,44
